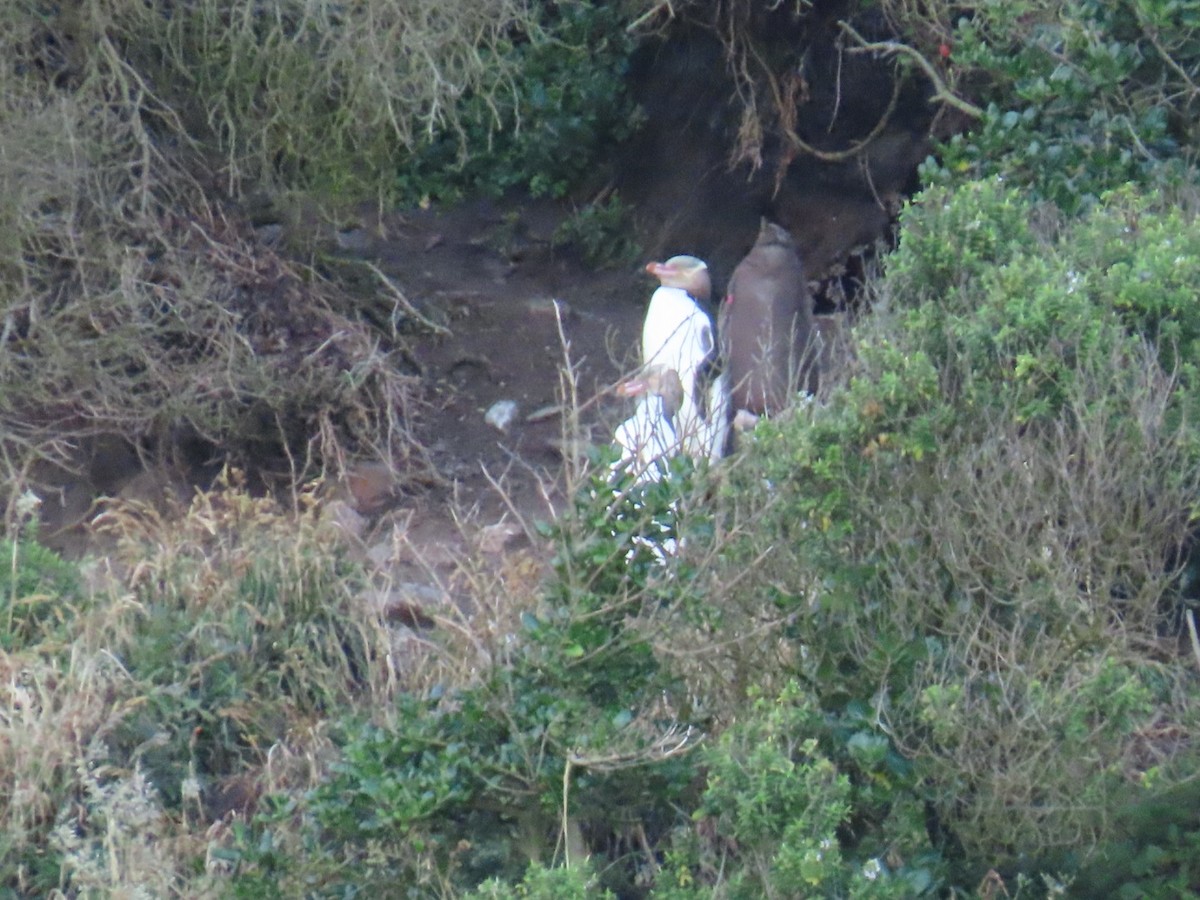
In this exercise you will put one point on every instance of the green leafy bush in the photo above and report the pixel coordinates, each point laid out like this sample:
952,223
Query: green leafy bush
980,535
247,620
541,883
1153,853
1079,97
563,104
39,593
600,232
1033,304
774,809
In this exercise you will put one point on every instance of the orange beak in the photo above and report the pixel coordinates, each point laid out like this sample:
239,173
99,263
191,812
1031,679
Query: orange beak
632,387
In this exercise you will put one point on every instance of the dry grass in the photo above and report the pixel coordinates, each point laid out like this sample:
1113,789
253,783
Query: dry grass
133,305
216,641
329,94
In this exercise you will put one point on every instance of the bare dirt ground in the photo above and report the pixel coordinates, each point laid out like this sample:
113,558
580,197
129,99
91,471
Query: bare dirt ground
507,315
511,313
511,317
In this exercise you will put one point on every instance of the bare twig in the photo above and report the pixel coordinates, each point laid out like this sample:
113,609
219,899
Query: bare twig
942,94
854,149
1153,35
403,301
1191,620
651,13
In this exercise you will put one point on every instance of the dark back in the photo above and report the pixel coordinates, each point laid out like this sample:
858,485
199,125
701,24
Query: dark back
766,324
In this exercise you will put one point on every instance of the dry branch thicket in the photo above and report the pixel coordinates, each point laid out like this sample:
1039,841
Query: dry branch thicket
793,69
131,302
326,94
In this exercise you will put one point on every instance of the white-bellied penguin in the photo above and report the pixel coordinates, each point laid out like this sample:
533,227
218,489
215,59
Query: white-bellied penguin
678,334
648,439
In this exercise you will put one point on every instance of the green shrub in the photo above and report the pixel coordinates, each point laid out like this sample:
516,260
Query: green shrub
951,238
563,105
600,233
774,809
541,883
1142,255
1153,852
1079,97
39,593
1033,305
980,535
247,621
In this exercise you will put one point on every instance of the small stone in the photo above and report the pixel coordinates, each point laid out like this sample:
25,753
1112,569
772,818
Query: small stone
370,486
501,414
494,538
346,518
352,240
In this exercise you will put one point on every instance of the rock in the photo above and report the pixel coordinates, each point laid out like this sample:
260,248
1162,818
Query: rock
381,554
411,604
356,241
370,487
346,518
501,414
494,538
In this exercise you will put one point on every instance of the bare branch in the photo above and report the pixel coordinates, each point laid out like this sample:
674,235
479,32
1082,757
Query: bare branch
942,94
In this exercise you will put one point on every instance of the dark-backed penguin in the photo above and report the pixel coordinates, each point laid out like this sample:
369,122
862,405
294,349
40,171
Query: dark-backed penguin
766,324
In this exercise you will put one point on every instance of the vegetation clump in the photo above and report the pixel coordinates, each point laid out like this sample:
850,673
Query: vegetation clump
223,632
137,301
932,633
988,524
1070,99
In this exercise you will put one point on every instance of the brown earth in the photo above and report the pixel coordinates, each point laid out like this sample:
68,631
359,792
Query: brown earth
507,312
512,313
505,309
